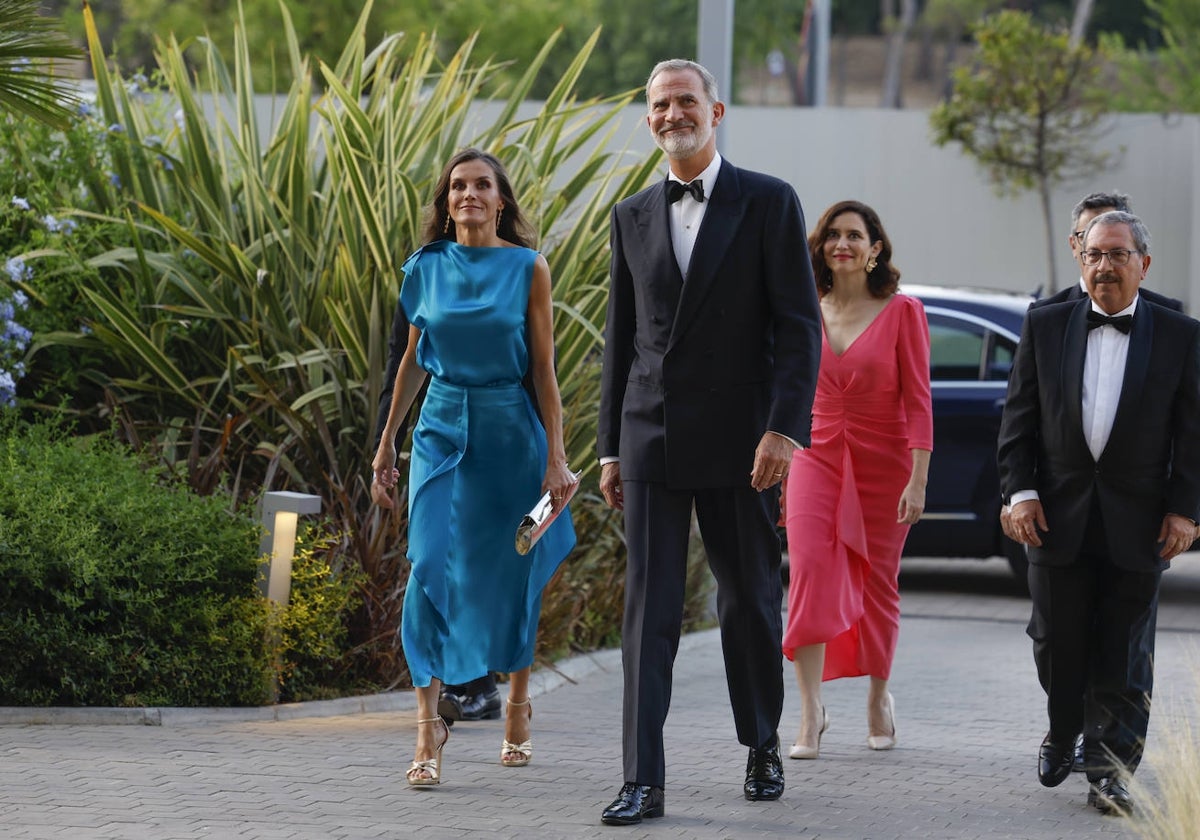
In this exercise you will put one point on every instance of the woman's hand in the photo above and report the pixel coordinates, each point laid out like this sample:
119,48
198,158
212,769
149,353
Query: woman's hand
912,503
558,480
384,475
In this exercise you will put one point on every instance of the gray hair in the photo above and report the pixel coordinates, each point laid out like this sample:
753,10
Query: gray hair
674,64
1141,235
1100,201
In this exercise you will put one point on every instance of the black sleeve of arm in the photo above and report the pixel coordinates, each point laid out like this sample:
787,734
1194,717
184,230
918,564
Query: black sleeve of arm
397,344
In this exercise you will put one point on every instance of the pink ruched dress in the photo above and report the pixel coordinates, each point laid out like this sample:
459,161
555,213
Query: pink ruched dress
872,406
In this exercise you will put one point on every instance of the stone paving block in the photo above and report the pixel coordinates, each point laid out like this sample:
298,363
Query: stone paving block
969,715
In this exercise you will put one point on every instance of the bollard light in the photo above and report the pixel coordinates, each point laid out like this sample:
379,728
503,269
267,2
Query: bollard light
281,511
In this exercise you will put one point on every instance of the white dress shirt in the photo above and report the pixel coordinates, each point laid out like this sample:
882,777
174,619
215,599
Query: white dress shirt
687,214
1103,375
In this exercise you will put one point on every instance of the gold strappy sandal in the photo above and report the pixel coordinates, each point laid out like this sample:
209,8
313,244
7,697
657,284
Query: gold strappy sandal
432,766
517,755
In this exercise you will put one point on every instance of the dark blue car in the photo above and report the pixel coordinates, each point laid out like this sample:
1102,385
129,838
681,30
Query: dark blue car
973,337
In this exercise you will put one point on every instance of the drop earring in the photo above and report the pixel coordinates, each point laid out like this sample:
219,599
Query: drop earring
499,217
446,227
871,263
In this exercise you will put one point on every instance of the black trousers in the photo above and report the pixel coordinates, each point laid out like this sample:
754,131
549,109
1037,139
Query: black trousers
1093,629
738,530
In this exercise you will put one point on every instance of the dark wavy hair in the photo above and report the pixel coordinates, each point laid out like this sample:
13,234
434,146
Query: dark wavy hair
884,279
514,227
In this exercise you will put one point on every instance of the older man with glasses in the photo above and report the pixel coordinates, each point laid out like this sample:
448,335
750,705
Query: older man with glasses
1089,207
1099,456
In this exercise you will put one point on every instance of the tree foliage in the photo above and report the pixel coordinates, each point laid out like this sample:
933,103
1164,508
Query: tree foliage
510,34
1166,79
1028,109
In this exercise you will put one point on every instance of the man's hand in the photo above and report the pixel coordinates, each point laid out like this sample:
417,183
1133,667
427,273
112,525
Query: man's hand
1006,523
1026,519
772,459
1176,535
610,485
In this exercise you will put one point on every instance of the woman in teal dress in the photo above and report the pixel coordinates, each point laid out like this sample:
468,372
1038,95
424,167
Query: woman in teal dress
478,303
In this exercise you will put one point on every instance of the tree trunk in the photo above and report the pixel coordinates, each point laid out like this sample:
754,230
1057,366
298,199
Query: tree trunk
1079,24
924,71
1052,276
893,65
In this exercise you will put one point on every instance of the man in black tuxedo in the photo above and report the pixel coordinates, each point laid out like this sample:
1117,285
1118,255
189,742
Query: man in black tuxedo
1099,455
1088,208
710,364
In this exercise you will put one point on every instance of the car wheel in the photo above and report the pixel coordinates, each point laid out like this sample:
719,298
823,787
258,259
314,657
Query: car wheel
1014,552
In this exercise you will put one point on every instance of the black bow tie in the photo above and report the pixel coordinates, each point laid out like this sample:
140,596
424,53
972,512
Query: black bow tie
676,190
1099,319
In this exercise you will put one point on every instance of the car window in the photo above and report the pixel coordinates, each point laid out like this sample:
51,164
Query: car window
1000,356
957,349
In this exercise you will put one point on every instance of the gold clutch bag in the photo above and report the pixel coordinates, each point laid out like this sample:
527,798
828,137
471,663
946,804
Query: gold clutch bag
537,521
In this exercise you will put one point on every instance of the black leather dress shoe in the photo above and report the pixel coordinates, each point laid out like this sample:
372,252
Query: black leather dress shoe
764,774
1080,764
482,706
1111,796
633,804
1054,762
449,707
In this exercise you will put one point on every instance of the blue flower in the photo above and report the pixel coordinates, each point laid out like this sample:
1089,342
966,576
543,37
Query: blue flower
20,202
116,128
85,109
16,336
165,162
20,300
114,179
17,270
51,223
8,389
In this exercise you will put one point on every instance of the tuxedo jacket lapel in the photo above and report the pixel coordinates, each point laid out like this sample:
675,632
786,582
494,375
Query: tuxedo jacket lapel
721,220
1074,348
654,228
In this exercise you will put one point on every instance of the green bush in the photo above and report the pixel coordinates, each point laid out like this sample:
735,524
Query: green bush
317,658
116,590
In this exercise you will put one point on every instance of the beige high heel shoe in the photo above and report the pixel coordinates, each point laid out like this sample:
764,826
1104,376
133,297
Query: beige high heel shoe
804,751
432,766
517,755
885,742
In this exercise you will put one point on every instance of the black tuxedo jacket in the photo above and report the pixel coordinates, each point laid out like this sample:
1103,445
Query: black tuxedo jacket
1074,293
1151,463
696,369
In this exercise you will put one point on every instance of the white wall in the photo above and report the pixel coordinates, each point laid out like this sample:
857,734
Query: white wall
947,225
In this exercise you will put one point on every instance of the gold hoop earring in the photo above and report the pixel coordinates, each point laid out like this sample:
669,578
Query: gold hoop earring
871,263
446,227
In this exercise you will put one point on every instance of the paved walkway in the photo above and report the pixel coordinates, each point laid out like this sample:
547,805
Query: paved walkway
969,712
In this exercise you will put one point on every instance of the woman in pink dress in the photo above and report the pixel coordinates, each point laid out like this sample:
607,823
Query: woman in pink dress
853,495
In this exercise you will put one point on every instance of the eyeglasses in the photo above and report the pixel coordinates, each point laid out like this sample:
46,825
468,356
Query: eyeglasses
1117,256
1079,236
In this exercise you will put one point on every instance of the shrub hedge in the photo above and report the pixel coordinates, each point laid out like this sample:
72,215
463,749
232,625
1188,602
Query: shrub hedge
119,587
